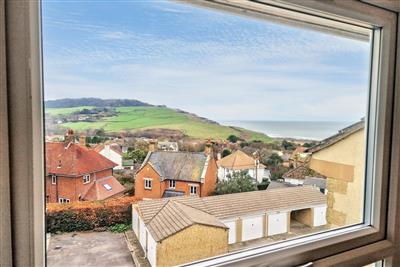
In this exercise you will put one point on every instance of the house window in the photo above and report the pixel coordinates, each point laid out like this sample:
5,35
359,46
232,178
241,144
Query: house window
53,179
172,184
193,190
63,200
147,183
86,179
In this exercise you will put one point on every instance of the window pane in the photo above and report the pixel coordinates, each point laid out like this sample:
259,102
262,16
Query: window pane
225,132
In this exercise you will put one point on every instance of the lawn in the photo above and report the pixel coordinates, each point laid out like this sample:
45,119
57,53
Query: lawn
140,118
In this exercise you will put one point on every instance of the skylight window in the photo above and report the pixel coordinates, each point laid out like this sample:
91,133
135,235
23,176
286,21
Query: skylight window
108,187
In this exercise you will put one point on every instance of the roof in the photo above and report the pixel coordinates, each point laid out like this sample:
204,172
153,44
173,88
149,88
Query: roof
104,188
165,217
301,172
238,161
275,185
114,147
176,216
74,160
298,150
184,166
168,146
315,181
338,137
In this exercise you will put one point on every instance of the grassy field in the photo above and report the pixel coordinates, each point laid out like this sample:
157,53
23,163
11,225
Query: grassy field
140,118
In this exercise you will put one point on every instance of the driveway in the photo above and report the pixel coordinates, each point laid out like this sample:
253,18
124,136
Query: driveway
88,249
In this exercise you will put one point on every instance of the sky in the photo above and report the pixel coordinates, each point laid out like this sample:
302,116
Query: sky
215,64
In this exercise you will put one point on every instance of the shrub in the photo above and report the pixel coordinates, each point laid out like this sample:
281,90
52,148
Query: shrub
236,183
119,228
88,215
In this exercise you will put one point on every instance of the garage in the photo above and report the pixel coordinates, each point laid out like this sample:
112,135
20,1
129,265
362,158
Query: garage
319,216
232,231
277,223
252,227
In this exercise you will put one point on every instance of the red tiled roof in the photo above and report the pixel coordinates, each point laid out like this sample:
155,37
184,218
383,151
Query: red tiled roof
75,160
104,188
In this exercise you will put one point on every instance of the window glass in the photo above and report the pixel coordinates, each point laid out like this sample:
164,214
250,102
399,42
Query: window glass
160,100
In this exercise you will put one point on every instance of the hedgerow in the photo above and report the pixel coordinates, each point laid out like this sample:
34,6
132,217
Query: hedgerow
88,215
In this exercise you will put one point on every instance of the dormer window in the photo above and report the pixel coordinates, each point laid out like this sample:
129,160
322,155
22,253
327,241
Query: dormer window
172,184
86,179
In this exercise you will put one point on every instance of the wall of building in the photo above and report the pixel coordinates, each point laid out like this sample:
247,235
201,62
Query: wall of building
343,163
148,172
193,243
71,187
210,179
158,187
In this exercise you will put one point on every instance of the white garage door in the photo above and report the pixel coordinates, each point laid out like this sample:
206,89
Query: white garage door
142,234
252,228
232,231
135,222
151,250
277,223
319,216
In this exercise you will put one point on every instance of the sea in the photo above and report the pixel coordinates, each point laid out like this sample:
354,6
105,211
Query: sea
304,130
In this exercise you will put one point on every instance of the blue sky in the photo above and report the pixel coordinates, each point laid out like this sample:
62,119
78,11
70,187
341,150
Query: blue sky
214,64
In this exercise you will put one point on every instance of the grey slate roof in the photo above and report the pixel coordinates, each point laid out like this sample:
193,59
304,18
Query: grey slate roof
165,217
315,181
184,166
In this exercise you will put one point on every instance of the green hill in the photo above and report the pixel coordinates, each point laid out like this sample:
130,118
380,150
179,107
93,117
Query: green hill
151,117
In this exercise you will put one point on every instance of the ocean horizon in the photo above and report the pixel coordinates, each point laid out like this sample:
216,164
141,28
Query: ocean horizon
307,130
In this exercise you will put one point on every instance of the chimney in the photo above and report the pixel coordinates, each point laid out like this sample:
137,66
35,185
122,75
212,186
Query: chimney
208,148
68,138
82,140
152,145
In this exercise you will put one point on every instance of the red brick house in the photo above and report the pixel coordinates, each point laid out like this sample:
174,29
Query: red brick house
169,174
74,172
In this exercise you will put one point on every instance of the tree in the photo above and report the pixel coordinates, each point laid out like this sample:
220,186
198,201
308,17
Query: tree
311,144
263,185
233,138
288,145
278,172
274,161
236,183
226,152
137,155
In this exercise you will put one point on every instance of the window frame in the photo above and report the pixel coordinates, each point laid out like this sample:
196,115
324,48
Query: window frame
53,179
87,180
174,184
150,181
194,193
63,200
21,82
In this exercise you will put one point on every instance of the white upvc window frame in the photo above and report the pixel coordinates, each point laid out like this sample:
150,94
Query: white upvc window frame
148,183
54,179
172,184
63,200
193,192
86,178
356,246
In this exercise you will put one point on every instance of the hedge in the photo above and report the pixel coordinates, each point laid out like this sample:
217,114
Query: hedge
88,215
